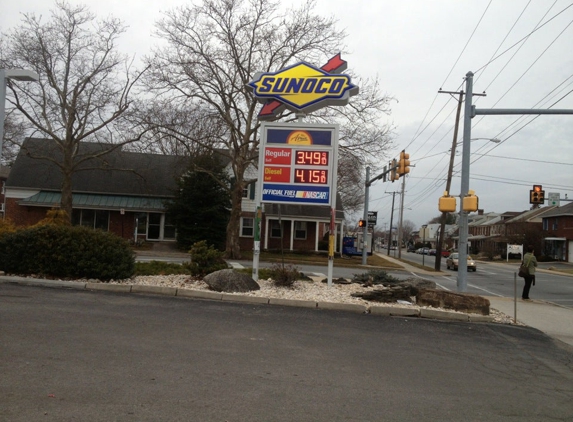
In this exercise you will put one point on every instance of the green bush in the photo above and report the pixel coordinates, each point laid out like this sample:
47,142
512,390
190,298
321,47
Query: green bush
159,268
66,252
284,275
205,259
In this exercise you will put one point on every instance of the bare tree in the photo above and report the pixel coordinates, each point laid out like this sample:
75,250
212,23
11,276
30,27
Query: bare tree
85,87
215,48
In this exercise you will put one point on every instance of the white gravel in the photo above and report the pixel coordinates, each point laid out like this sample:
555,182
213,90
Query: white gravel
302,290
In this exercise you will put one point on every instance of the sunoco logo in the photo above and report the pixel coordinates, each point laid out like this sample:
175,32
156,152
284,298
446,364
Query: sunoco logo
303,86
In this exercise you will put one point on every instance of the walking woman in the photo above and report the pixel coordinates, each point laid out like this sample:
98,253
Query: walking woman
530,261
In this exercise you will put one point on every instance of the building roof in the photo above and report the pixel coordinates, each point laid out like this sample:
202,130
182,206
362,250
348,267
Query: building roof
96,201
563,211
530,215
116,172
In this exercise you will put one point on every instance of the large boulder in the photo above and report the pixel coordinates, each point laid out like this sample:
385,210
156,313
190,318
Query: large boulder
230,281
388,295
462,302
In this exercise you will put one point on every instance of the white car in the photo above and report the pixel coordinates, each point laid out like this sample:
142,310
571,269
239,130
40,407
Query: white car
452,262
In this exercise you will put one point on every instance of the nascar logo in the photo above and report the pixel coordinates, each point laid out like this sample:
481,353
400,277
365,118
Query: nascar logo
303,87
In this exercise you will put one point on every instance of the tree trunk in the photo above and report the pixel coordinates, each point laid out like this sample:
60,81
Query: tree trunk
233,248
67,172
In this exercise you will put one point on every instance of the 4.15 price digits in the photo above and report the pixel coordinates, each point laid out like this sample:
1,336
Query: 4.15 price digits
311,176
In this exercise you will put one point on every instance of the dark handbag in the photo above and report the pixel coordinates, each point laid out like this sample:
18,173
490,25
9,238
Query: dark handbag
524,269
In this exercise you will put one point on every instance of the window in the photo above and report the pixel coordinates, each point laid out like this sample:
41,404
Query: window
247,227
545,224
95,219
555,224
275,229
141,223
169,231
300,230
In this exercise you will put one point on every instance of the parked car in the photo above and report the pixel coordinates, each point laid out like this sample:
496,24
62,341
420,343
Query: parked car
432,252
422,251
445,254
452,262
411,248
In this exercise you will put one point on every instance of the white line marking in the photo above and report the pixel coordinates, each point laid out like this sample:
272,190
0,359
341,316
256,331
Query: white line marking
236,265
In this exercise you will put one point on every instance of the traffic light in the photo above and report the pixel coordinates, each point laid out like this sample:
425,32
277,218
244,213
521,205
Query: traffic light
470,202
537,195
362,223
394,171
447,203
404,164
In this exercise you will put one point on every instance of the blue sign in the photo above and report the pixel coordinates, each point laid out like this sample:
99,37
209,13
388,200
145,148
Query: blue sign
296,194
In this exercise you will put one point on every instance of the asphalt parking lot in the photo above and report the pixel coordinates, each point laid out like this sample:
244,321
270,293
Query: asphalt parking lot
95,356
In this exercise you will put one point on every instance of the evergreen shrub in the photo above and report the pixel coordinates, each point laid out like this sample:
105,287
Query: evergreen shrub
205,259
66,252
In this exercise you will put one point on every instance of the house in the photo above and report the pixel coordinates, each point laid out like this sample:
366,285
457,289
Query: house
124,192
558,231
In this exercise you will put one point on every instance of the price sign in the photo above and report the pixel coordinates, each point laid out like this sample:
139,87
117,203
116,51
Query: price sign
298,163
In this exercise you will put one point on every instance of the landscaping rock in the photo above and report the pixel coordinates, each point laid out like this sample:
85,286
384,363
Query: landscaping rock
462,302
230,281
388,295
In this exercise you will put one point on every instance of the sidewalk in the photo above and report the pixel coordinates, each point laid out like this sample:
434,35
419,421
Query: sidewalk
554,320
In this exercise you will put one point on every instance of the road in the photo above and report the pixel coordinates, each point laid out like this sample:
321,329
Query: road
69,355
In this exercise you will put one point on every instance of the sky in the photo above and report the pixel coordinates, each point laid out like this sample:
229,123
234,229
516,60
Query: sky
521,55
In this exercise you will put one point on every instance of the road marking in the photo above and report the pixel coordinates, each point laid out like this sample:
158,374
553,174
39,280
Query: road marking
236,265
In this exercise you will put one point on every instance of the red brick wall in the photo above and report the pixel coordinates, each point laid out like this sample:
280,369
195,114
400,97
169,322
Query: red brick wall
22,215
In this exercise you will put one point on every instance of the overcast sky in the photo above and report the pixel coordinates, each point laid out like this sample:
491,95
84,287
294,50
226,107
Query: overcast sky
416,47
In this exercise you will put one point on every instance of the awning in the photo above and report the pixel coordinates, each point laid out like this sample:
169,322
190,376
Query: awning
96,201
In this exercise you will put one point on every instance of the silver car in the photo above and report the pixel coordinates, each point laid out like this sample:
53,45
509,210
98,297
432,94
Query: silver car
452,262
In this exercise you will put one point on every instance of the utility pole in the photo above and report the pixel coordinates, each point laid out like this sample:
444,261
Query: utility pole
444,215
391,219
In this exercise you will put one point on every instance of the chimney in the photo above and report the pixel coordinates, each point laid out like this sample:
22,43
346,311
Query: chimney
480,212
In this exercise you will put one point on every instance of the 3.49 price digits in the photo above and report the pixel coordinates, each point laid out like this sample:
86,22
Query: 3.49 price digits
314,158
311,176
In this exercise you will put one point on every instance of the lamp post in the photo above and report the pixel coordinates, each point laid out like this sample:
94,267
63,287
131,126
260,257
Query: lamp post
17,75
424,244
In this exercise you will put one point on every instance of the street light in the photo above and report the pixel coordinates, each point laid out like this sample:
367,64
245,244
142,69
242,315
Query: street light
17,75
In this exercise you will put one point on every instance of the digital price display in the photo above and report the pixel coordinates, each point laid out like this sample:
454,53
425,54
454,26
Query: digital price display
312,158
311,176
298,163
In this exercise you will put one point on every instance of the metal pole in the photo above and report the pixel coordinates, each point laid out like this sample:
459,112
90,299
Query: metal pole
365,230
401,217
257,244
515,297
2,109
465,186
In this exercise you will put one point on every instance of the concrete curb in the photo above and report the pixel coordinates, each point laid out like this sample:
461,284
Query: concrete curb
228,297
444,315
199,294
394,311
158,290
292,302
255,300
349,307
118,288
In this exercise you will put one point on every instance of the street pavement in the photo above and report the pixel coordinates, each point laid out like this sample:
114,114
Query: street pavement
554,320
80,355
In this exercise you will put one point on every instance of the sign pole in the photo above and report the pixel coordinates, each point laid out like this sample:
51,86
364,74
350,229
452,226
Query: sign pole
257,246
331,243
